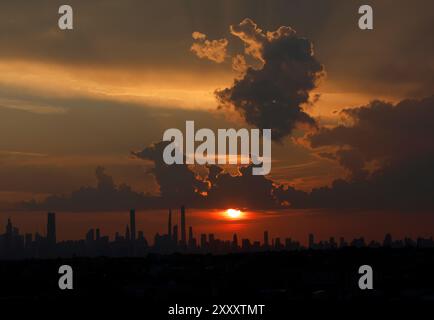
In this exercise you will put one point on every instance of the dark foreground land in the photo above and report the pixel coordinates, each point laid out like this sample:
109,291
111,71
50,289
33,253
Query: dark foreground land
272,278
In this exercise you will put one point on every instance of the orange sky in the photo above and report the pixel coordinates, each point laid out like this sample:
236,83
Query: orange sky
70,101
296,224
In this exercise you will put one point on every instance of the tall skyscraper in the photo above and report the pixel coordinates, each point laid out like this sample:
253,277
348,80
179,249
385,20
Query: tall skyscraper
190,234
133,224
169,225
127,233
211,239
235,241
311,241
277,243
203,243
190,237
90,236
175,233
51,227
387,242
28,239
9,227
183,231
8,235
141,236
266,243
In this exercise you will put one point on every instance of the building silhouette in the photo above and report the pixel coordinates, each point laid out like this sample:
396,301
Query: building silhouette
235,241
266,243
127,233
169,224
311,241
13,245
175,234
183,235
133,224
51,228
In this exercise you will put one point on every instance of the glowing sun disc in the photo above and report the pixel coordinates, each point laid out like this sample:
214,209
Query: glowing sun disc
233,213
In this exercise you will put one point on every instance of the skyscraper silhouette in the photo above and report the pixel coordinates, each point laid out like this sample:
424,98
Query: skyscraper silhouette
183,231
9,227
190,234
266,243
235,241
311,241
133,224
203,243
175,233
51,227
169,225
127,233
90,236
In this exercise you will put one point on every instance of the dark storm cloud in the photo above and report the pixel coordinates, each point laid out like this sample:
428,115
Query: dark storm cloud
242,191
178,184
106,196
382,132
272,95
398,139
395,59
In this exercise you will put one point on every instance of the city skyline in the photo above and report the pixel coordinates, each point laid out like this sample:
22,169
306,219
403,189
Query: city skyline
212,155
344,135
135,243
84,113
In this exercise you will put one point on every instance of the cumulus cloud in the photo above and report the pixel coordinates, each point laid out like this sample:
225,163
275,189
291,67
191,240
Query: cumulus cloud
272,95
214,50
381,132
253,38
106,196
239,64
242,191
398,139
178,184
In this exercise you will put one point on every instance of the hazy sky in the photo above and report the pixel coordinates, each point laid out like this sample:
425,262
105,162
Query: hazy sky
73,100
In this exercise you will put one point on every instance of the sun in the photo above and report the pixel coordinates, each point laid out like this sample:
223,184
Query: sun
233,213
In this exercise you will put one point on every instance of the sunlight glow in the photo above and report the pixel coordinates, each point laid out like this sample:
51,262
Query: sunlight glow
233,213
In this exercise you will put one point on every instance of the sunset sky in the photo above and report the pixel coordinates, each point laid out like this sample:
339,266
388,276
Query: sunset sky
103,93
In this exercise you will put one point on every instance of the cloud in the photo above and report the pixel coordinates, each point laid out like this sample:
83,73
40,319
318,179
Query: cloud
178,184
253,38
382,132
272,95
239,64
214,50
398,139
241,191
106,196
145,39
